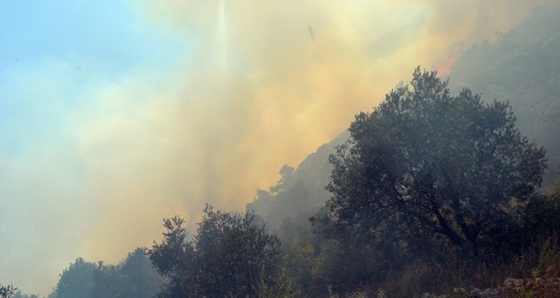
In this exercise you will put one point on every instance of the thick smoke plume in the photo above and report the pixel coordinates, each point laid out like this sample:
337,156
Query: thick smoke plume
264,83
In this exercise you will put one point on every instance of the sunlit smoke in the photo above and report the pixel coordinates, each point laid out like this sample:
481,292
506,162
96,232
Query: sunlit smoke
261,92
222,39
265,84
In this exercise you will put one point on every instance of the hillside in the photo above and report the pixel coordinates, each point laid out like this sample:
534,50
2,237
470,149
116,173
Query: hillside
523,67
301,190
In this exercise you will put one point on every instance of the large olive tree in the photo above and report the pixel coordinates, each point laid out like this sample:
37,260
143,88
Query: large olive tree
426,163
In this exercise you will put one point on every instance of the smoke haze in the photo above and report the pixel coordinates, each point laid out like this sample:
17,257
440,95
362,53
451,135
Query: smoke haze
263,84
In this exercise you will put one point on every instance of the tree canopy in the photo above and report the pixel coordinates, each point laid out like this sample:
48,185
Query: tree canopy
133,277
425,163
230,256
7,291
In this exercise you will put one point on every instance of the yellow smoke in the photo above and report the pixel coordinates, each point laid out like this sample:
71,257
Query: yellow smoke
293,76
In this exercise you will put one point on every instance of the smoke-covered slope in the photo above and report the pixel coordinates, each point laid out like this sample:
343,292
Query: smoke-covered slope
302,190
523,67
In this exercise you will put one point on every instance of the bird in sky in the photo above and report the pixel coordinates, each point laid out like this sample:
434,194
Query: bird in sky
311,32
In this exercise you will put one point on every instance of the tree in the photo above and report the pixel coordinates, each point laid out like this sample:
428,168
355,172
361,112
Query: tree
231,255
76,281
174,259
541,218
7,291
428,165
134,277
138,277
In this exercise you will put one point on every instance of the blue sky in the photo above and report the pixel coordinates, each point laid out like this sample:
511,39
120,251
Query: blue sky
110,31
51,50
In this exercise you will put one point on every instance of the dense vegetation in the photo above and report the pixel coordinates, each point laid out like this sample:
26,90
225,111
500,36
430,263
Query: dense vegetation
428,178
230,256
428,164
134,277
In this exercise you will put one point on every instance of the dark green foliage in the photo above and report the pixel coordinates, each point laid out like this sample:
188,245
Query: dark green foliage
283,286
542,217
77,280
231,255
7,291
428,168
235,253
173,259
300,257
138,276
134,277
341,267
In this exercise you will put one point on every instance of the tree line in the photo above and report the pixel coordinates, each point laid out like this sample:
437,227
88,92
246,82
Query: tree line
430,185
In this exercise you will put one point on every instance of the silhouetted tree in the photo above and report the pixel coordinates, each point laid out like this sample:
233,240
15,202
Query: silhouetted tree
174,259
134,277
541,218
138,277
425,164
7,291
230,256
76,281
